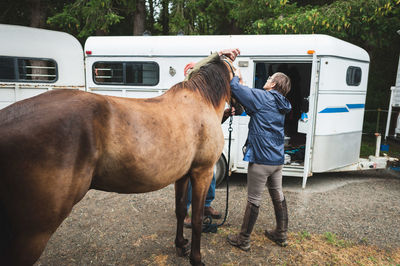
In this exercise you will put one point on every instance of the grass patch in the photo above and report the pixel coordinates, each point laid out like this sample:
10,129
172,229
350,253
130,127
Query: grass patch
367,147
304,248
332,239
304,235
329,249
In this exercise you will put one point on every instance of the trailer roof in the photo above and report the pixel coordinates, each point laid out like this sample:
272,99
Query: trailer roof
202,45
29,42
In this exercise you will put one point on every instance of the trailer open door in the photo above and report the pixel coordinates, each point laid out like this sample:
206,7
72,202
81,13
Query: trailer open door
309,125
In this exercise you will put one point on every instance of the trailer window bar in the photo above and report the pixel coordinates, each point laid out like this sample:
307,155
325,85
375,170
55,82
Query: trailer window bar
27,69
126,73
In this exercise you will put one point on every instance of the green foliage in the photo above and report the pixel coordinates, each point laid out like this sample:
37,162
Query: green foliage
368,146
248,13
84,17
363,21
201,17
371,24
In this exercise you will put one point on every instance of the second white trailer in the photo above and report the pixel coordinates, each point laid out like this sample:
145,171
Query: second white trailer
329,85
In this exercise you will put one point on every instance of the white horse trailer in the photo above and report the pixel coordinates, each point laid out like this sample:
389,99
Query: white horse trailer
33,61
329,83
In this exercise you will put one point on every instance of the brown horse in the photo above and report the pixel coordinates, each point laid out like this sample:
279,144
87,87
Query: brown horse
56,146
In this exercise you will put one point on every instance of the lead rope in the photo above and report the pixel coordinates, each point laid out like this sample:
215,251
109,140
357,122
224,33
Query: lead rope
208,226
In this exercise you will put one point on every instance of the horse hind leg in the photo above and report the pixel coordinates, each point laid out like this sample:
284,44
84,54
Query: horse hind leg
5,235
201,180
18,248
29,227
26,248
182,244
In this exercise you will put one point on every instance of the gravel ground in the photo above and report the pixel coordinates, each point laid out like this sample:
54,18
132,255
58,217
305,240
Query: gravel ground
113,229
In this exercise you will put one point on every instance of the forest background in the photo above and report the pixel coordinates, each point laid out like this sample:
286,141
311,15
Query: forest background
370,24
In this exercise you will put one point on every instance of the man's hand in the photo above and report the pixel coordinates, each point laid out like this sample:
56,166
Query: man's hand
230,53
239,74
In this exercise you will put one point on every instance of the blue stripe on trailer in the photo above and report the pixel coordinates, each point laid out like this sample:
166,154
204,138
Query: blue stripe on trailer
355,106
335,110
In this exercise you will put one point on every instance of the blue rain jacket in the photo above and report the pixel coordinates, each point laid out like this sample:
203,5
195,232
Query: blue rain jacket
267,109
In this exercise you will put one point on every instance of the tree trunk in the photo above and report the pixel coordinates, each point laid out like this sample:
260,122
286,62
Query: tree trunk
37,14
151,17
165,17
100,32
139,17
37,21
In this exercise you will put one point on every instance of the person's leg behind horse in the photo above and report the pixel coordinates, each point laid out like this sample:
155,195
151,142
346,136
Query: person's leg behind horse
208,210
257,176
279,234
182,244
188,221
189,196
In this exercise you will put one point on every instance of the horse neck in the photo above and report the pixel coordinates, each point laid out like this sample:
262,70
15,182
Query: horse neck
193,100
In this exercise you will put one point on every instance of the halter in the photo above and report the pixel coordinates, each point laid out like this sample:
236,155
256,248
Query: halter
232,71
229,64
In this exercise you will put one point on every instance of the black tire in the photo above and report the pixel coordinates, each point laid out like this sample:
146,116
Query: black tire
220,169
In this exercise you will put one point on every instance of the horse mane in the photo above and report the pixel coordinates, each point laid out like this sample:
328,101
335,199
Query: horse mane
212,81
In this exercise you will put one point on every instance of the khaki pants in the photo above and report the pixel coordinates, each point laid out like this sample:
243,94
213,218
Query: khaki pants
257,176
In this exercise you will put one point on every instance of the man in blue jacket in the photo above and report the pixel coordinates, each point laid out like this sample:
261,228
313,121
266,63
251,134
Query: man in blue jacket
264,151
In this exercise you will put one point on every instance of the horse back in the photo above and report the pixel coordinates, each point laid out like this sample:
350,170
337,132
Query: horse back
51,125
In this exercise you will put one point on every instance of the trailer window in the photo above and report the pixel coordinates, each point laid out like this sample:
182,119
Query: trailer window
17,69
126,73
353,76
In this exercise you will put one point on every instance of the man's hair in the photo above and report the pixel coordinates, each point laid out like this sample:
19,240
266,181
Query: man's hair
282,82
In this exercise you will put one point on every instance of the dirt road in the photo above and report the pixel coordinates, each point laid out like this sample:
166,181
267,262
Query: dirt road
112,229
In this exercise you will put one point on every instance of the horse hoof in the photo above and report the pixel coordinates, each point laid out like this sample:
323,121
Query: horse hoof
184,250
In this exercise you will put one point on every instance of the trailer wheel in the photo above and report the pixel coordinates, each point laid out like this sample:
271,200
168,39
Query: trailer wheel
220,169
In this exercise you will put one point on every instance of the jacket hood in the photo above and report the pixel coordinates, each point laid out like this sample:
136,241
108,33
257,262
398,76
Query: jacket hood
282,102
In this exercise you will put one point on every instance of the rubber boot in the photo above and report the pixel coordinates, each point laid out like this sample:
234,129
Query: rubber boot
279,234
242,240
